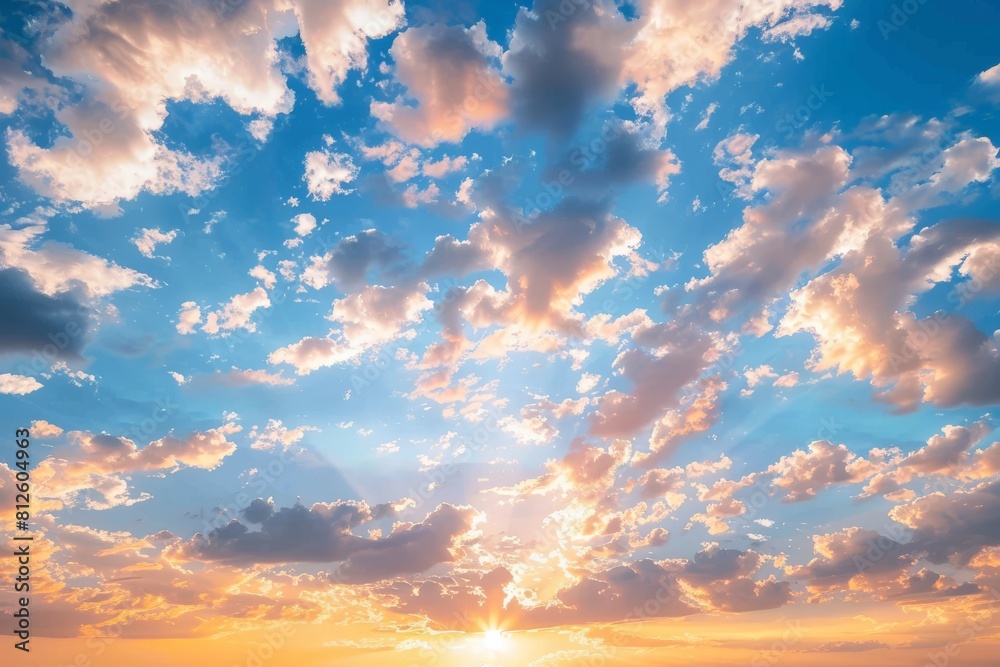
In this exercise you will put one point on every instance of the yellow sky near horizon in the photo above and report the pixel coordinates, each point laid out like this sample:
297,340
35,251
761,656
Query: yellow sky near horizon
808,636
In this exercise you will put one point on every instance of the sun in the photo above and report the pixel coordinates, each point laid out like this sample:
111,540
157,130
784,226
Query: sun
494,640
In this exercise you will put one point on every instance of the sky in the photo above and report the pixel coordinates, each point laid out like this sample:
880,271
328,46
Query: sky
475,334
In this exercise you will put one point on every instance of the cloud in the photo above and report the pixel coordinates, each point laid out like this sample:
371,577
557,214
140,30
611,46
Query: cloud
714,580
18,385
450,72
755,376
188,318
233,315
444,166
659,482
753,263
798,25
335,36
656,379
43,429
264,276
587,383
697,412
57,267
851,647
15,76
550,266
146,240
327,172
989,80
558,73
735,155
658,64
706,117
369,319
322,534
803,474
305,223
111,153
237,377
531,429
948,531
621,154
348,264
407,167
952,529
947,173
275,434
947,453
787,380
552,263
94,469
942,358
201,53
54,327
615,594
413,196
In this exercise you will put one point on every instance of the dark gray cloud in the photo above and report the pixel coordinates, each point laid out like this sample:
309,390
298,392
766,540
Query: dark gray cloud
557,73
322,534
611,158
348,264
54,327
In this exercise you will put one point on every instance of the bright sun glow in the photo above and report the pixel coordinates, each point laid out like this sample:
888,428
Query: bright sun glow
495,640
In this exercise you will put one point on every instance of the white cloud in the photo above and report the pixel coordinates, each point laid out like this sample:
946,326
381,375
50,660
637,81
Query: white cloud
989,78
263,275
707,116
373,317
146,240
57,267
260,128
444,166
274,434
188,317
305,223
236,313
755,376
388,447
335,34
327,172
787,380
587,383
18,384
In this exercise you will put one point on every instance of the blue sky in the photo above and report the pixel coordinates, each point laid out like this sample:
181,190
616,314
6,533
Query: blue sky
286,257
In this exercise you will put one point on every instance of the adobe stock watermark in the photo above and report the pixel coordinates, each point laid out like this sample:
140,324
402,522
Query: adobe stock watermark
259,653
968,630
564,11
434,478
814,101
259,483
929,328
760,493
581,158
163,409
653,607
59,343
791,636
899,16
893,536
97,645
